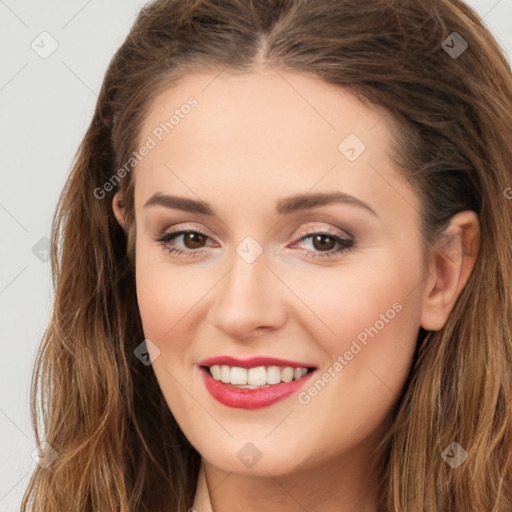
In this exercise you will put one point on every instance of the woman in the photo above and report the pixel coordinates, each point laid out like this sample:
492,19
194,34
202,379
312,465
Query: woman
207,350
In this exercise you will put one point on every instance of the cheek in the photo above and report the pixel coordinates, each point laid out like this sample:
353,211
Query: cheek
367,323
369,327
166,299
165,293
370,301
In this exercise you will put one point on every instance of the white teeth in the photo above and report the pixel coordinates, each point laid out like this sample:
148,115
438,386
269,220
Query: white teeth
215,369
273,375
287,374
238,376
257,376
260,376
225,374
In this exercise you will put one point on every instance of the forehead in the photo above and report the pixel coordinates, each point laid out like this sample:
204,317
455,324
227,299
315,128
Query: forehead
280,104
266,133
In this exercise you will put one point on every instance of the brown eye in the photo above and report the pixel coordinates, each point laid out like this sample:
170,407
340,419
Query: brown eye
323,242
193,240
327,244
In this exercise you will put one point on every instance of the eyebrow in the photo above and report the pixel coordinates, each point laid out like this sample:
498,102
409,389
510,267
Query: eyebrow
284,206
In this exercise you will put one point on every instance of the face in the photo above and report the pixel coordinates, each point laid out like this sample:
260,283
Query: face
333,288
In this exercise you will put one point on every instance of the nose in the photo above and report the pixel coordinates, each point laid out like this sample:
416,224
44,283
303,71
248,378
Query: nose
249,300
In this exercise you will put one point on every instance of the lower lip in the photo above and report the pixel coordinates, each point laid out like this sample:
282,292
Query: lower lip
245,398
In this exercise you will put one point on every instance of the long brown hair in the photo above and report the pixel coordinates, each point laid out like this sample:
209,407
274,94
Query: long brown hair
119,447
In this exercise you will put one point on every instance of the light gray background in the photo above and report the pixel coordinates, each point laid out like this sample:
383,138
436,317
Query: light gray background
46,105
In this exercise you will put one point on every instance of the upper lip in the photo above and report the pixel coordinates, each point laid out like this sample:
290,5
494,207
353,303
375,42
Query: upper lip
253,362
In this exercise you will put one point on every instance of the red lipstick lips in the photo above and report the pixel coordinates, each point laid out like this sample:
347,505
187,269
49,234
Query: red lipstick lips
245,398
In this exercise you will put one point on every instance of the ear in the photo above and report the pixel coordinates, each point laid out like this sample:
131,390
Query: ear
453,263
117,206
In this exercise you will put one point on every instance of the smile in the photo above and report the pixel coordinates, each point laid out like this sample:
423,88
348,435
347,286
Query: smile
252,378
253,383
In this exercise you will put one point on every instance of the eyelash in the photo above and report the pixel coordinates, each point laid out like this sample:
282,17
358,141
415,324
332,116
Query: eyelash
345,245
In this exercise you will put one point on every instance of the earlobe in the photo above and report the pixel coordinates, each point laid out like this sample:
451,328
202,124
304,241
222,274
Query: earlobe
453,263
117,206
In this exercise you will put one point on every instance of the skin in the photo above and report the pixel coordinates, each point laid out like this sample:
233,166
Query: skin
251,141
